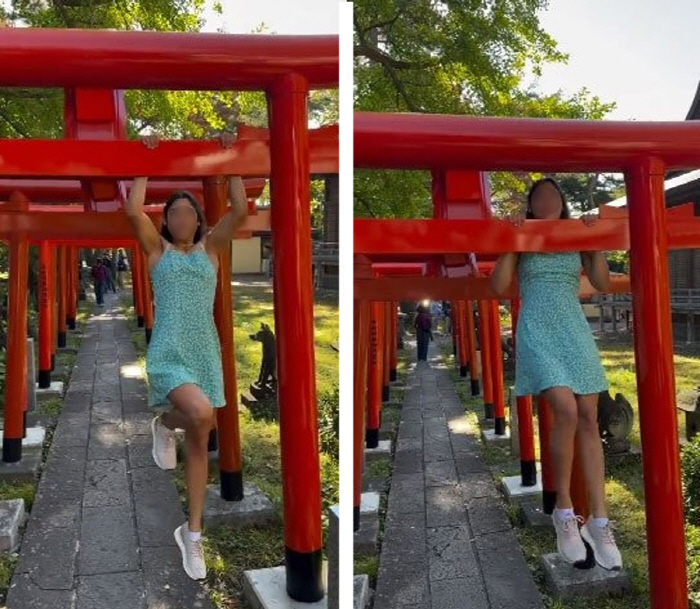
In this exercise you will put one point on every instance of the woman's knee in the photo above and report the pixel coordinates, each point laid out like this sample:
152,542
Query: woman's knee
588,417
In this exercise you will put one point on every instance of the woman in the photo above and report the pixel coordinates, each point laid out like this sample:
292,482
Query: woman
556,356
183,363
423,325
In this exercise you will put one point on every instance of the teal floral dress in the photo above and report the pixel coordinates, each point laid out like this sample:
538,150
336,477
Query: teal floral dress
185,345
554,345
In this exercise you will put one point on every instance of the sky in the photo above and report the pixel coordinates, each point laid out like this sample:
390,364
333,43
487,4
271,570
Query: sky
280,16
643,54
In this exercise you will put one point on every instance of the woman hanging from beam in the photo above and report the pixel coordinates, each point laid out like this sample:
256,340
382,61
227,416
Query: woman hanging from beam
556,356
183,363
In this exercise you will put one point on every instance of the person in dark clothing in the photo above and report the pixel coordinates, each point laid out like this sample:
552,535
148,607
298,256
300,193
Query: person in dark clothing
423,325
99,277
109,275
447,311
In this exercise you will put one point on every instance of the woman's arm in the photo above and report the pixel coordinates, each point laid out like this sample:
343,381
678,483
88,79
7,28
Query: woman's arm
597,271
221,235
146,233
503,272
594,263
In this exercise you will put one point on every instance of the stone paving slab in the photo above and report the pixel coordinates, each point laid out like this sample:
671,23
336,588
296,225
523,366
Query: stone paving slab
100,533
447,543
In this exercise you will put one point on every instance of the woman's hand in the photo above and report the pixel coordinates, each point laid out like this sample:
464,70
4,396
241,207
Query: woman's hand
150,141
226,140
515,219
589,219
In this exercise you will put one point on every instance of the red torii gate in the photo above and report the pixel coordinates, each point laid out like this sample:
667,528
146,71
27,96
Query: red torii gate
92,67
643,152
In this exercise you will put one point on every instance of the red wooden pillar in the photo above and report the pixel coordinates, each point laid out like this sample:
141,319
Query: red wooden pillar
658,423
526,433
393,345
471,339
16,363
486,370
63,287
374,382
455,331
294,323
136,270
72,292
228,435
146,295
386,368
462,346
44,316
499,399
361,349
545,421
53,305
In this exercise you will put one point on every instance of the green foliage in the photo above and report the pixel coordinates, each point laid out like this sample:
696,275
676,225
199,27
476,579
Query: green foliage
461,57
690,466
692,549
328,413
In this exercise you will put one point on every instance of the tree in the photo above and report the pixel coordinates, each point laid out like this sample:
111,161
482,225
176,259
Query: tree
457,57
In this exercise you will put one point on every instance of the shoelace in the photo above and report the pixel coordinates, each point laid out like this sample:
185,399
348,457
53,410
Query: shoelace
197,550
606,533
570,525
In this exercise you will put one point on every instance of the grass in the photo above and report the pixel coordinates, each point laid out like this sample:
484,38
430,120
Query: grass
231,551
624,484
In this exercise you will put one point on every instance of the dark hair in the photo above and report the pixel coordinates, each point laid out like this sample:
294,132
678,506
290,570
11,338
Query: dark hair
565,215
176,196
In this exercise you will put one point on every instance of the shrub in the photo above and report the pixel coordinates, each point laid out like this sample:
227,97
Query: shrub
328,422
690,466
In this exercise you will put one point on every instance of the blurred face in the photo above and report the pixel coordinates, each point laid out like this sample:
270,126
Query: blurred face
182,220
546,202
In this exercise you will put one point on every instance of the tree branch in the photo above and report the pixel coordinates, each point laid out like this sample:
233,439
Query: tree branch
374,54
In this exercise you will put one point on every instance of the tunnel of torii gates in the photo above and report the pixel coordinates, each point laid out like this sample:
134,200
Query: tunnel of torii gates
42,180
449,257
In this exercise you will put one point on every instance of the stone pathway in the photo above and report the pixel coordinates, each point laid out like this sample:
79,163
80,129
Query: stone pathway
100,533
447,540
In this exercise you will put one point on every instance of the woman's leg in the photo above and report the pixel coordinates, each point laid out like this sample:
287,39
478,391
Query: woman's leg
195,415
591,449
563,404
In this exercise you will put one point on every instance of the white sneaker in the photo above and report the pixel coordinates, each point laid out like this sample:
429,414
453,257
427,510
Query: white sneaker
192,553
164,449
569,542
603,543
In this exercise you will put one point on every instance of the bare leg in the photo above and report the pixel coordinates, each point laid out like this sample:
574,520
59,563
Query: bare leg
198,418
563,405
591,449
174,419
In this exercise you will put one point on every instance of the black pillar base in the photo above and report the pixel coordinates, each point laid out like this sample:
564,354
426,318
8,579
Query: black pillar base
304,570
528,473
392,375
475,387
356,518
500,426
213,444
231,485
44,379
11,450
463,371
372,438
386,393
70,322
489,412
139,321
149,331
61,340
549,500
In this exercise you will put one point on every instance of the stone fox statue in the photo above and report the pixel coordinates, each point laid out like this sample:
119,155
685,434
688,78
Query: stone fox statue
268,368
